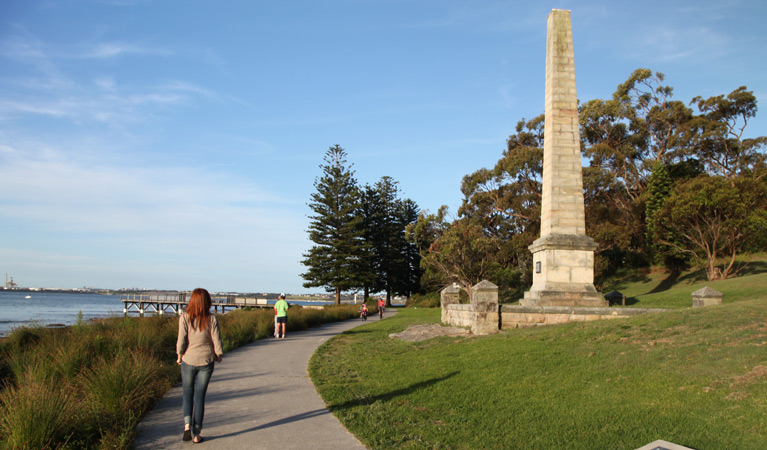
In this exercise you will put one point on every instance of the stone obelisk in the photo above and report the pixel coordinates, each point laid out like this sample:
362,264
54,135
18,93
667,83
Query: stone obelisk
563,257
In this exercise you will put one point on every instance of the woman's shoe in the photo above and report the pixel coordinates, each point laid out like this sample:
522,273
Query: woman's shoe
187,435
197,439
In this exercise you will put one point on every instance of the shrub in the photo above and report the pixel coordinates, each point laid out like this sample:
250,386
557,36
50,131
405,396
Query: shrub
428,300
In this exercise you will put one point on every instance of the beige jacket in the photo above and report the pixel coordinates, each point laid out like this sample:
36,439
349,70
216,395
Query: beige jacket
198,348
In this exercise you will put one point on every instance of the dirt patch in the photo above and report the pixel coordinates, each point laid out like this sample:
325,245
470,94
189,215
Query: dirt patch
740,383
416,333
756,374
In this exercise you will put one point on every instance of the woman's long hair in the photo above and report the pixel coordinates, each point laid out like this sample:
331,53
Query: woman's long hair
198,309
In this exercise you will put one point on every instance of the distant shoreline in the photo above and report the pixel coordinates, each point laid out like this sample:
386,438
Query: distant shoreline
59,291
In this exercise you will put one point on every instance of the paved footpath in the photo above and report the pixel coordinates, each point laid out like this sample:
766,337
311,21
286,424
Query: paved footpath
260,397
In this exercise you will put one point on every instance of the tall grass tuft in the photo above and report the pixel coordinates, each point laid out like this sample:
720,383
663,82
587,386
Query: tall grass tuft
89,385
119,391
120,384
35,414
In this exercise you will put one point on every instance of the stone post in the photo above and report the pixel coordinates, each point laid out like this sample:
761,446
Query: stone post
563,257
484,302
706,297
449,295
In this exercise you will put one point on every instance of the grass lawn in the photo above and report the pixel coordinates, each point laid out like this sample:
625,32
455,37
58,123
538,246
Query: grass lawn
664,290
695,377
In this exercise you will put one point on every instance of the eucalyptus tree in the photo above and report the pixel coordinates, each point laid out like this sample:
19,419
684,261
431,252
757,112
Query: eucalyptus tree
719,138
714,219
506,199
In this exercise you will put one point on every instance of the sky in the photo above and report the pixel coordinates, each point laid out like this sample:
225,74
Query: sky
169,144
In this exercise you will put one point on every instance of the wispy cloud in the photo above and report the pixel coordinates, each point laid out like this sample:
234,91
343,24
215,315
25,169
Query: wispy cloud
117,49
81,106
665,43
115,215
87,195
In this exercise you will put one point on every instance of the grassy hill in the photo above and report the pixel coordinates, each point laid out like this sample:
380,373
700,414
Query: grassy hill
655,289
696,377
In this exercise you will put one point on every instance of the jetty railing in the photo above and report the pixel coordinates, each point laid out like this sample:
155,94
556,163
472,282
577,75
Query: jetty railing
175,302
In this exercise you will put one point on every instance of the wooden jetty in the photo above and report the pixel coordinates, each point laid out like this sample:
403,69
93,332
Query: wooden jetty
175,302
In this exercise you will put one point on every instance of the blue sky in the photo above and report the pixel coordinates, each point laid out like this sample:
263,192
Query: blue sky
166,144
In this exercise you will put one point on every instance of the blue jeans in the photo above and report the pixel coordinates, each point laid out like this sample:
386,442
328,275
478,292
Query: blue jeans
194,381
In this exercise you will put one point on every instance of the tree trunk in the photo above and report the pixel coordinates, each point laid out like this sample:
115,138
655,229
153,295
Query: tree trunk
714,273
338,295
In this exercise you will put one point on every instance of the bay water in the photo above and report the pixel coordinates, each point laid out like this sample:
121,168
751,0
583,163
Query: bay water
54,308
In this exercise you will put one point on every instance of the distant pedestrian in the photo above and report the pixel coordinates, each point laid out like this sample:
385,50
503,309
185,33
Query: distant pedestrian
281,309
276,328
197,347
381,306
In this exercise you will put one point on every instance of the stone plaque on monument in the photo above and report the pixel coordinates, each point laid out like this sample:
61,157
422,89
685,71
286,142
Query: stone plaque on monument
563,257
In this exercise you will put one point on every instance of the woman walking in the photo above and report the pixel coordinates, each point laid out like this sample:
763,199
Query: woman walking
198,346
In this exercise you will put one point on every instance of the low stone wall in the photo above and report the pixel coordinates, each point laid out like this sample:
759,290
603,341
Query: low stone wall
459,315
485,316
481,315
514,316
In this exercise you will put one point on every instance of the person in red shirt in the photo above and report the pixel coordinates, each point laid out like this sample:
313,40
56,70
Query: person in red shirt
381,306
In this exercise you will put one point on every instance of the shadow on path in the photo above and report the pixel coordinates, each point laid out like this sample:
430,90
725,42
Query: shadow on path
283,421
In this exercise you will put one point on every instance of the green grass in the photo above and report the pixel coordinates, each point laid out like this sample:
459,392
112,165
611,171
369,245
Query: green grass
88,386
663,290
696,377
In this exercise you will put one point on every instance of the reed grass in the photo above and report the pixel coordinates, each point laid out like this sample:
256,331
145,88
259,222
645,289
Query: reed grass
35,414
88,386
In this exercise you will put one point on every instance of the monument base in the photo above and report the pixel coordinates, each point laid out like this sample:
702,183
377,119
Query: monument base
564,272
586,295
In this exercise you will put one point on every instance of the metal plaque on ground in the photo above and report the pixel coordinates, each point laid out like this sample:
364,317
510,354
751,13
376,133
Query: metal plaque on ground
663,445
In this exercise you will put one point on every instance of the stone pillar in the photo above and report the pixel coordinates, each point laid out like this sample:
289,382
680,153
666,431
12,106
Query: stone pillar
484,302
706,297
447,296
563,257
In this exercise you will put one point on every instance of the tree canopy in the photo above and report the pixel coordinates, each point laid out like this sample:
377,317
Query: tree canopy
337,260
665,181
653,163
359,234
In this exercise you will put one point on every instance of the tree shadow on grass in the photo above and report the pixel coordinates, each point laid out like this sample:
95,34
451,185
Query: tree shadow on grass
631,301
390,395
743,267
695,276
754,267
357,331
666,284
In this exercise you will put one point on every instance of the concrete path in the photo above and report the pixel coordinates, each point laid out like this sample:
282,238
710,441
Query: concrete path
260,397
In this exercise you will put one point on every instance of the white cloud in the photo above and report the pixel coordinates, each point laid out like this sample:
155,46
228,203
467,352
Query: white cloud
135,223
90,195
105,83
117,49
665,43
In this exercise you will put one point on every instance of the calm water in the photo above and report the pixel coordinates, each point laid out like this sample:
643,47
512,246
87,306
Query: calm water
53,308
